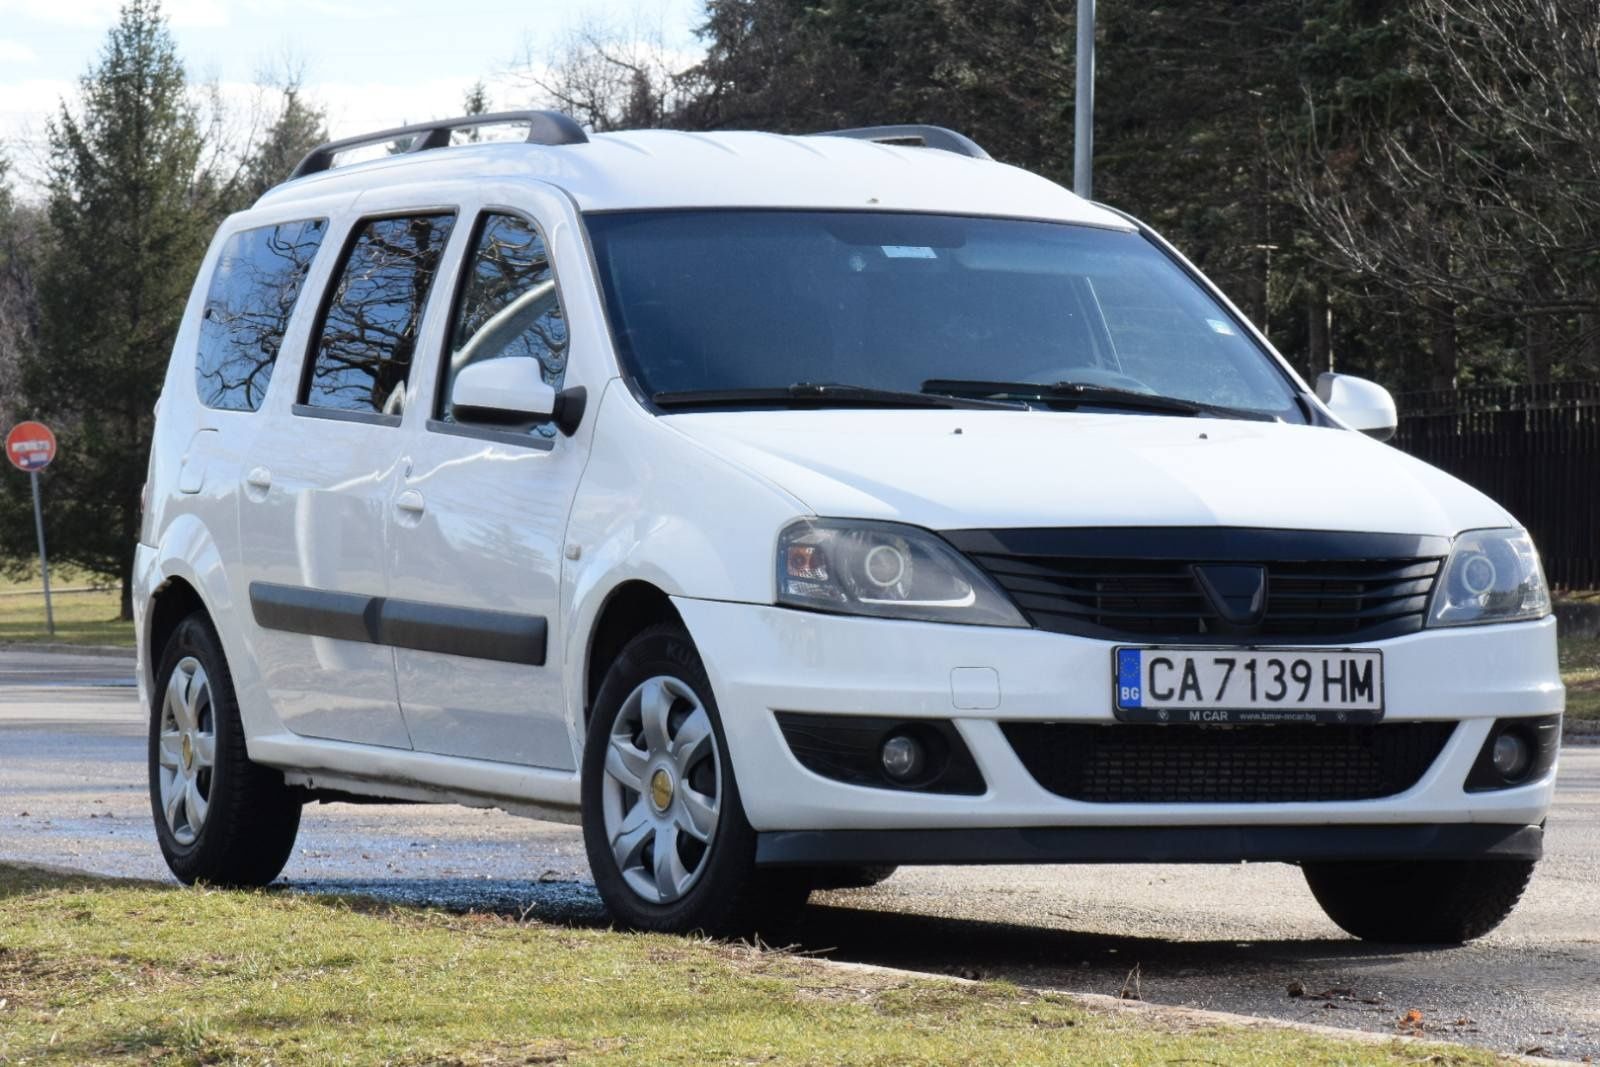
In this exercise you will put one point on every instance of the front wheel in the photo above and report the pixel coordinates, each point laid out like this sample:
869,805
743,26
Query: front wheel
668,842
1419,902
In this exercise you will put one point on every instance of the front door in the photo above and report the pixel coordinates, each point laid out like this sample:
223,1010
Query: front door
478,519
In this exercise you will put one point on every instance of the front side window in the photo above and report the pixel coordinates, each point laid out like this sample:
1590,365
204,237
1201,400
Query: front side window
705,302
508,309
252,294
369,330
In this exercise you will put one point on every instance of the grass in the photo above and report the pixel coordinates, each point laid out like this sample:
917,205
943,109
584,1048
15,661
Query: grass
85,608
1580,669
120,972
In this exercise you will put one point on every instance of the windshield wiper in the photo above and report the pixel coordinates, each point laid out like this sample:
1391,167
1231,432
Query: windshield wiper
1078,394
823,394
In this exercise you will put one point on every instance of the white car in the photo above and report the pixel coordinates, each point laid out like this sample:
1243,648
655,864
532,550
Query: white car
787,508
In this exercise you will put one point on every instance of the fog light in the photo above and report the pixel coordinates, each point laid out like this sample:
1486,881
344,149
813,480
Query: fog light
1511,756
903,759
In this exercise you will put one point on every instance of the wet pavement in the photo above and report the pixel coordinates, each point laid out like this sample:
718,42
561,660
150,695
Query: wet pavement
1229,938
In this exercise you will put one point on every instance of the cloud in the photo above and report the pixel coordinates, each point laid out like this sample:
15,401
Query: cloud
95,14
15,52
361,107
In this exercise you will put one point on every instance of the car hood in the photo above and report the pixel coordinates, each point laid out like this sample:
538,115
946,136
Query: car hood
958,469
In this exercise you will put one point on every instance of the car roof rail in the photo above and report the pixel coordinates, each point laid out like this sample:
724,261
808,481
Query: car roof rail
544,127
917,136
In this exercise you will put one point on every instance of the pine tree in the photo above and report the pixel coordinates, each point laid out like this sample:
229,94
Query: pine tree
298,129
476,102
128,234
16,303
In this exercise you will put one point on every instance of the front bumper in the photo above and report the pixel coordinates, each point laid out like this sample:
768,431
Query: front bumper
764,659
1147,844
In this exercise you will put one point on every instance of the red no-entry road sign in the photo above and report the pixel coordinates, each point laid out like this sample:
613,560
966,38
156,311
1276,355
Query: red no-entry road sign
30,446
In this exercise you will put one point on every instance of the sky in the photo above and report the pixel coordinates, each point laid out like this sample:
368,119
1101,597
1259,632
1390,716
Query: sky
371,63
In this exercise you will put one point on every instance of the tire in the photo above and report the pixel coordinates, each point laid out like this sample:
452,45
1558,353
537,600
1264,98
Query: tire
1419,902
230,822
670,783
864,876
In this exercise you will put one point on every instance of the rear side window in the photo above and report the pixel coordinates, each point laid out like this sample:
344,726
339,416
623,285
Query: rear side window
508,309
369,328
253,292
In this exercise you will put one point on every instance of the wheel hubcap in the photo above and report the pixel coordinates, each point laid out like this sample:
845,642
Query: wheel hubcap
662,789
186,750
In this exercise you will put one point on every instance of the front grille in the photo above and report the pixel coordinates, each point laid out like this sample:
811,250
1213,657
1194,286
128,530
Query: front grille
1320,586
1183,764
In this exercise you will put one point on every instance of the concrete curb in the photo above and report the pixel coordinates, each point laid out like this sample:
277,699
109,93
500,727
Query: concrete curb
50,649
1201,1016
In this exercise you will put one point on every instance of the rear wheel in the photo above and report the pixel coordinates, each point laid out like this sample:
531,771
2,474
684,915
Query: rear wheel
668,842
1419,902
220,818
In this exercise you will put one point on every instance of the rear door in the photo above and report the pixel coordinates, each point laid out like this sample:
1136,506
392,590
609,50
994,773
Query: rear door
480,512
254,294
319,484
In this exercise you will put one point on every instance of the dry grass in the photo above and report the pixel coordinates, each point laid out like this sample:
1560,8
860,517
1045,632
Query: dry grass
86,611
100,972
1580,669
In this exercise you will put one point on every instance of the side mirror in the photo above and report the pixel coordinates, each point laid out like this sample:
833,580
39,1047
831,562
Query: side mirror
1359,404
513,391
502,390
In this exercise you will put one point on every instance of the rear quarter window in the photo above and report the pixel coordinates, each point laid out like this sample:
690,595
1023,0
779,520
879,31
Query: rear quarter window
253,293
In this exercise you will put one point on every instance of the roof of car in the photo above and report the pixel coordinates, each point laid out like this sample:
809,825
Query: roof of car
643,169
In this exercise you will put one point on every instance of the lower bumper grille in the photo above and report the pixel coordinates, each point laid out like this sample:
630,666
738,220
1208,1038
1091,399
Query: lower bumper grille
1183,764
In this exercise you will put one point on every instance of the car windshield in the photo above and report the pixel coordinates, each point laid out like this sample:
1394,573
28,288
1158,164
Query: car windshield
743,307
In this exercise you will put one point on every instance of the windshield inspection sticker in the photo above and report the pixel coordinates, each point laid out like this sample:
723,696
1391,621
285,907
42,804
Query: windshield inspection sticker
909,252
1218,326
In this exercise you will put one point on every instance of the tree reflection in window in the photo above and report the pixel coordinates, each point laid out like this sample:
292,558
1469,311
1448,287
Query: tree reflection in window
369,333
252,294
509,309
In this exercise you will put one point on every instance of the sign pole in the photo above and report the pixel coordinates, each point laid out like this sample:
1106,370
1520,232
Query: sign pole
44,561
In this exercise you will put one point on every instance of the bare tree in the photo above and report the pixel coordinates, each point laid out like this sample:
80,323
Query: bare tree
607,76
1482,203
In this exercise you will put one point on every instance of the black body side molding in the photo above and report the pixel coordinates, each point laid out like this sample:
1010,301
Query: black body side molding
503,636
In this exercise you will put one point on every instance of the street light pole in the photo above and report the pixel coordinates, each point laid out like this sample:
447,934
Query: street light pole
1083,119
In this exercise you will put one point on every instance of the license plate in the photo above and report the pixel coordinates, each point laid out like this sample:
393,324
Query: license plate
1238,685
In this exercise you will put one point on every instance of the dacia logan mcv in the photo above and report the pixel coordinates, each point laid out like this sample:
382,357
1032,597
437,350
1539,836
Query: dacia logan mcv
788,508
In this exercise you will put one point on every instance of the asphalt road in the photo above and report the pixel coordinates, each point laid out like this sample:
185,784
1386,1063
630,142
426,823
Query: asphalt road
1230,938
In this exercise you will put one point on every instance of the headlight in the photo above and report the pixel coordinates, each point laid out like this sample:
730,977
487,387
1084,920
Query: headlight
885,569
1491,576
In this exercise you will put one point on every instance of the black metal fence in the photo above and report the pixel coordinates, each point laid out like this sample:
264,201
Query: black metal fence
1534,448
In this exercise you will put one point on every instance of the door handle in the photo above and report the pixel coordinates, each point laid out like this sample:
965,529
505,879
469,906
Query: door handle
259,478
411,502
